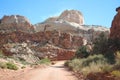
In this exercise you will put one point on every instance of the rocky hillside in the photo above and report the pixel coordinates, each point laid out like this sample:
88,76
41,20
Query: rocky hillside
72,21
56,38
15,23
62,44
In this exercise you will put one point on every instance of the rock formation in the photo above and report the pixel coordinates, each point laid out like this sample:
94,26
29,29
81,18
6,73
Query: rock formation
71,21
18,40
89,32
60,45
56,38
115,27
20,51
15,23
63,40
54,52
72,16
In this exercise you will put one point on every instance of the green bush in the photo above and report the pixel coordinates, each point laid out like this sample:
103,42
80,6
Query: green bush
3,65
100,44
95,58
75,64
44,61
114,44
106,47
67,63
110,57
8,65
95,63
82,52
11,66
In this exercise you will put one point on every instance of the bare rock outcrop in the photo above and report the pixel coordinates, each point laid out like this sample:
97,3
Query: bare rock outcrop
15,23
54,44
54,52
115,27
63,40
72,21
20,51
57,37
72,16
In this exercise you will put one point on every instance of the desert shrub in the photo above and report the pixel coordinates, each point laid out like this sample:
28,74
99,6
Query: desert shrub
23,61
75,64
100,44
82,52
114,44
44,61
1,54
110,57
113,50
67,63
103,45
117,64
95,63
116,73
23,67
107,68
8,65
11,66
3,65
95,59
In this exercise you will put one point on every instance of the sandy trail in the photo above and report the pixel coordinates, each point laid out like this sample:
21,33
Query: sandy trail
53,72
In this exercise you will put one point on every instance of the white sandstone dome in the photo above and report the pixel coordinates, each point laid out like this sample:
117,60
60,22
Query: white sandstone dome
72,16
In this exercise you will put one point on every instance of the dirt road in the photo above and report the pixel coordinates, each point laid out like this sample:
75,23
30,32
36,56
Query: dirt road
53,72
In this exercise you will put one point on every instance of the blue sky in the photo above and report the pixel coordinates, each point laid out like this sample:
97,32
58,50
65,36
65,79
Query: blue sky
95,12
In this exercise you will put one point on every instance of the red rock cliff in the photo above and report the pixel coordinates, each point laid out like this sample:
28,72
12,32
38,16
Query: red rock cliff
115,27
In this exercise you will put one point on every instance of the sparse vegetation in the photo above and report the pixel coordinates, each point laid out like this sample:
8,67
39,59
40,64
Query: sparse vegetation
3,65
104,60
1,54
82,52
95,63
116,73
44,61
100,44
11,66
8,65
